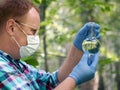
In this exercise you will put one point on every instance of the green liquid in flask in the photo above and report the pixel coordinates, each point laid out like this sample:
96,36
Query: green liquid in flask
91,45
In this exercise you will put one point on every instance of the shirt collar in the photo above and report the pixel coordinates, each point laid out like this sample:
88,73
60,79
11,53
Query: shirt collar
6,55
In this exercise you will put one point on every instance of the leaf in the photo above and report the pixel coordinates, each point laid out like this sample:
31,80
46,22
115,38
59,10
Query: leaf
31,60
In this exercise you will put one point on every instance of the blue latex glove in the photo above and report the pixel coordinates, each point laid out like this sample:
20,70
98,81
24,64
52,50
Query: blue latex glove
84,70
84,32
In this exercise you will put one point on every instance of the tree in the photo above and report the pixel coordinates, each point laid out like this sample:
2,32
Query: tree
61,20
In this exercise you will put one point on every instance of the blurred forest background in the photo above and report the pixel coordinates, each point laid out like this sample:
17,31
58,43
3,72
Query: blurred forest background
62,19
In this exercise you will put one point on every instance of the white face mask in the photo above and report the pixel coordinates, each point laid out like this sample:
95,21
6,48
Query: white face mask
33,44
31,47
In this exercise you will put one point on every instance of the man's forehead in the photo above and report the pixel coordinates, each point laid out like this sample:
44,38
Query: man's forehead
32,18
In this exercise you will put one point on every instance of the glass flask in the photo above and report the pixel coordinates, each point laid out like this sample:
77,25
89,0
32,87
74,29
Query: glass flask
91,44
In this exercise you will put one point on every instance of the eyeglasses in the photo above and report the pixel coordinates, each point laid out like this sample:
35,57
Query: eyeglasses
33,28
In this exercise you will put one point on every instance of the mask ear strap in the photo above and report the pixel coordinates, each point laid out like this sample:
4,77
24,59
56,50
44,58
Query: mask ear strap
16,41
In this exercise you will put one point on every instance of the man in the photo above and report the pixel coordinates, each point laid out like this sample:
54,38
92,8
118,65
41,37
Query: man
19,23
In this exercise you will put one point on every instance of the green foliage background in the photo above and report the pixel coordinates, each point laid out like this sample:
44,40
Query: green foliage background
64,18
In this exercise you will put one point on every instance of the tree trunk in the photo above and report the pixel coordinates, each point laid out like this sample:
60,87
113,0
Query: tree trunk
42,16
117,78
101,82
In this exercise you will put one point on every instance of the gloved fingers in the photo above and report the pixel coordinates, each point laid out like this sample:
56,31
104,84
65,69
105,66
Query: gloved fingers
85,30
95,60
88,26
93,25
97,33
96,26
98,36
96,29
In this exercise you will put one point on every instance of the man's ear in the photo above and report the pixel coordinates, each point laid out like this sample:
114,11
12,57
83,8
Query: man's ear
10,26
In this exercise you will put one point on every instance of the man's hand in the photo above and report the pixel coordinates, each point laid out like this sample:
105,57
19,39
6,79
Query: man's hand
84,32
76,52
85,71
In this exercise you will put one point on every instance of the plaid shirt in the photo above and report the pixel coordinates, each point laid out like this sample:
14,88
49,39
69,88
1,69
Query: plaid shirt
17,75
